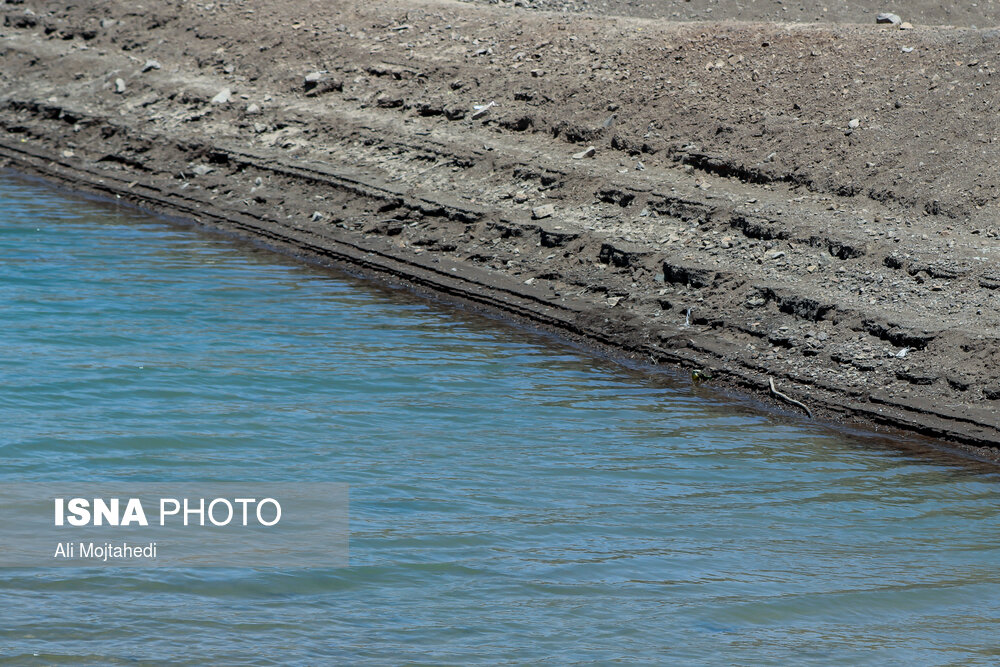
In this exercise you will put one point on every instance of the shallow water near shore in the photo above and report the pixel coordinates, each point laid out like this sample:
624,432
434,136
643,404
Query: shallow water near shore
512,499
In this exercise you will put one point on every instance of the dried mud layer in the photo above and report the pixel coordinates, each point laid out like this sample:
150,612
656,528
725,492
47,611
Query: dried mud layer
813,204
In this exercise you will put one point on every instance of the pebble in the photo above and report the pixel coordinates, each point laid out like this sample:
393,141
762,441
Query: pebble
906,25
223,96
259,128
886,17
520,197
151,64
543,211
854,123
119,86
590,151
314,77
253,108
202,170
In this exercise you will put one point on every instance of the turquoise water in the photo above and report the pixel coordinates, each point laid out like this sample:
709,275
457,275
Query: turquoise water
512,500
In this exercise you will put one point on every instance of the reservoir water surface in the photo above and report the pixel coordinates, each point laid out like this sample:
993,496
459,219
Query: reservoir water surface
512,499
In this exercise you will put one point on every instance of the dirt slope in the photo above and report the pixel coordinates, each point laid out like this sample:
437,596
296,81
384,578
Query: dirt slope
984,13
812,203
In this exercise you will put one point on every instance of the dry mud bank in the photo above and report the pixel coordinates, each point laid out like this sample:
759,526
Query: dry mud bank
815,204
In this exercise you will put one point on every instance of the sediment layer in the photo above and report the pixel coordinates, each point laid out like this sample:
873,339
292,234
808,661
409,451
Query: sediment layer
812,204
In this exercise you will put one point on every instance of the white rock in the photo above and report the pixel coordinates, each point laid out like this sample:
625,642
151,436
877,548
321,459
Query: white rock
590,151
543,211
223,97
119,85
886,17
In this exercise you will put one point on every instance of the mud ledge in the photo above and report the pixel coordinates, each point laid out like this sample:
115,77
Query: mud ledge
685,257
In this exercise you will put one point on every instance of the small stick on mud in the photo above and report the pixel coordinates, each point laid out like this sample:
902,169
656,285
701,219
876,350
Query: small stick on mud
788,399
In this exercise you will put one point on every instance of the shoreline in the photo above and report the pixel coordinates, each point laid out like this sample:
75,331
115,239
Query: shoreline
402,193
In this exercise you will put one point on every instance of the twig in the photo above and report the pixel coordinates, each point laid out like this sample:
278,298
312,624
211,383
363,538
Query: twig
788,399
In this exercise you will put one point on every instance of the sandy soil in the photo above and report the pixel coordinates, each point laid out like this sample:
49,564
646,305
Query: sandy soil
814,203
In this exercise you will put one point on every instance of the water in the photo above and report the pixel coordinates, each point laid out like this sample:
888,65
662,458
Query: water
512,500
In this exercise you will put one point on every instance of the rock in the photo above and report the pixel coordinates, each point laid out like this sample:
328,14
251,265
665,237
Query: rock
259,128
958,381
252,109
590,151
151,64
992,392
481,110
915,376
107,23
906,25
223,96
119,86
543,211
317,216
886,17
317,83
202,170
854,123
520,197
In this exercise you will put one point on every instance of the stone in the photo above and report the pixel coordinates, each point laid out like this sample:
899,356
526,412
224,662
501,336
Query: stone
313,78
520,197
252,109
543,211
481,110
223,96
854,123
590,151
119,86
202,170
992,392
151,64
906,25
886,17
259,128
